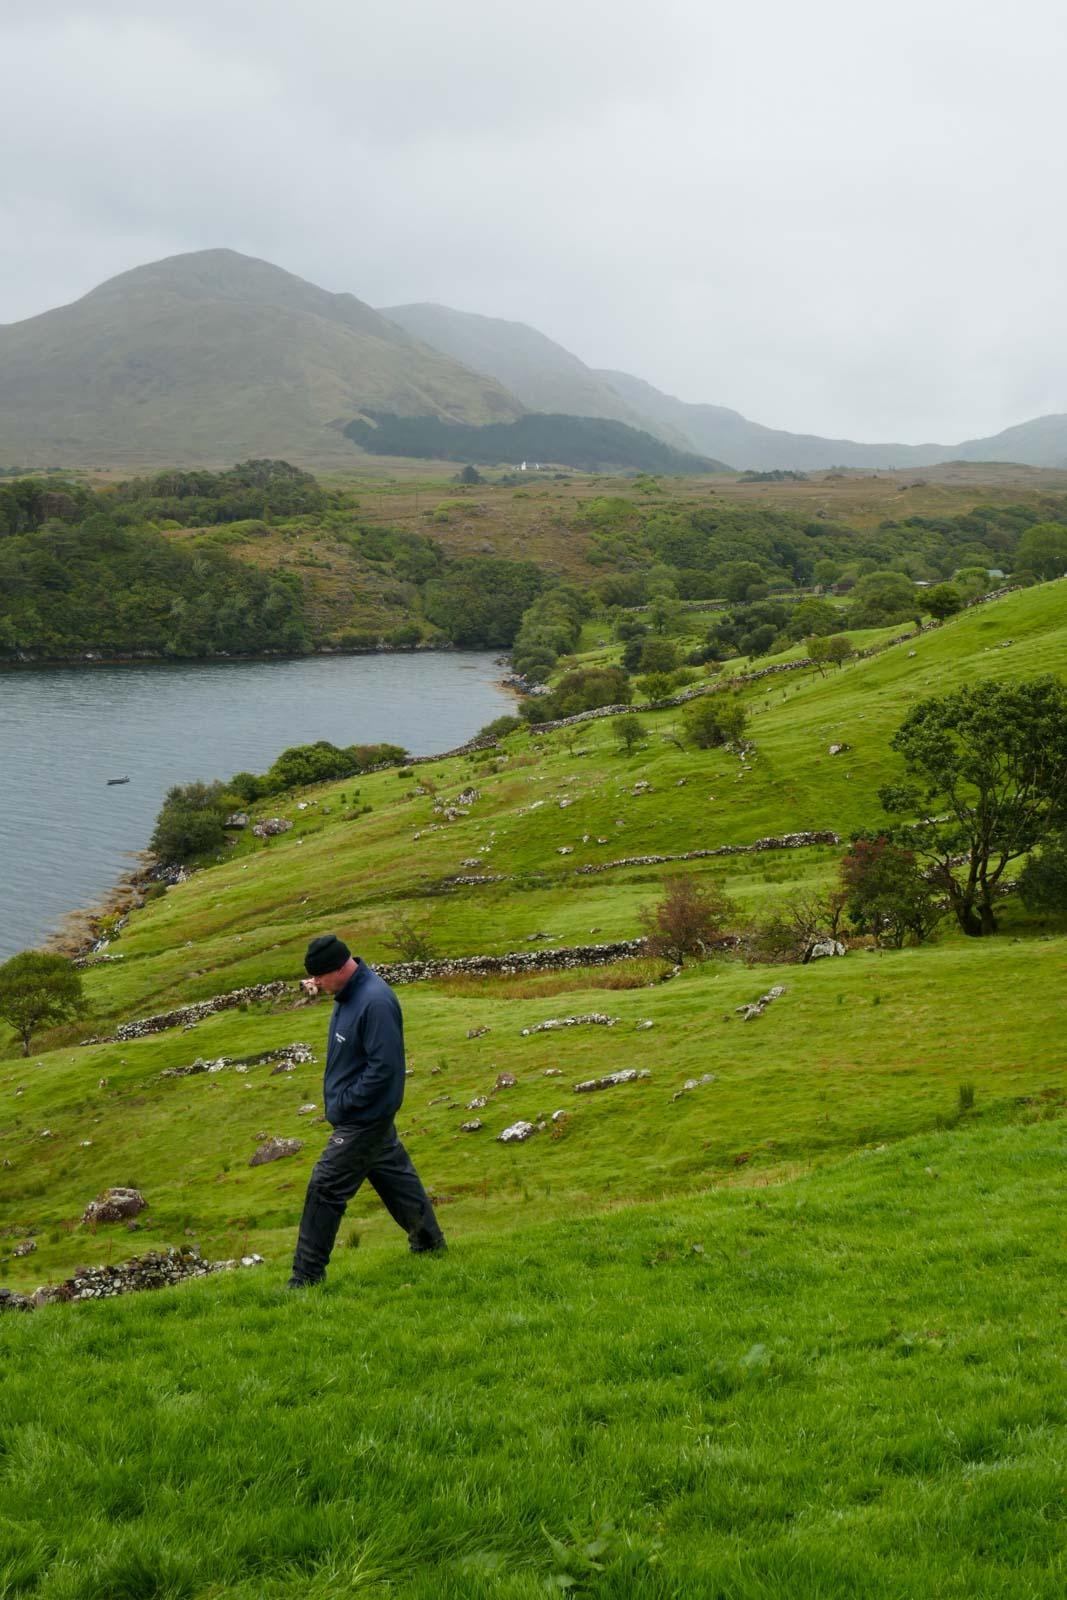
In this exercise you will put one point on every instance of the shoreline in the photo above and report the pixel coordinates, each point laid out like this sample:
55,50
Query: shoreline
148,658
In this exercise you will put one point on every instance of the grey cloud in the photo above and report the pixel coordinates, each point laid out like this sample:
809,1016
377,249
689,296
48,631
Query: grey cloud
839,219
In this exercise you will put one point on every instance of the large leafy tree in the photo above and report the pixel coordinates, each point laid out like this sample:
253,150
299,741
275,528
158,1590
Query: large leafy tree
1043,549
987,774
38,987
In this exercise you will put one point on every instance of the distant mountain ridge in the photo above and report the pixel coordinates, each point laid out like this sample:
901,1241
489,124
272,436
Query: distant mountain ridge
544,375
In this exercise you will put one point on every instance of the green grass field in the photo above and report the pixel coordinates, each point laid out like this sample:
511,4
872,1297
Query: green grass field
794,1335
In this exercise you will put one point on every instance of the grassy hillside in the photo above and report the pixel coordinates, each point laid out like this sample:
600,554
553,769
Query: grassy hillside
789,1333
846,1385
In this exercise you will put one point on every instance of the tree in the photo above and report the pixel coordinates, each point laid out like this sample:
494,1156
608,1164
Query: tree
469,474
882,598
742,580
814,617
714,720
658,655
943,601
1043,549
988,771
689,919
818,649
839,650
629,731
37,987
191,822
887,892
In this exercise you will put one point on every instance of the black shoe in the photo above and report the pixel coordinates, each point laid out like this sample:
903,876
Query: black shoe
305,1283
437,1249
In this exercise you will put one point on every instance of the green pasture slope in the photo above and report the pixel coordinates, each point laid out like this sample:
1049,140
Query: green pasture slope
794,1334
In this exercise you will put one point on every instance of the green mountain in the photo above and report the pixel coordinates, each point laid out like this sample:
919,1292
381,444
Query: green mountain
211,357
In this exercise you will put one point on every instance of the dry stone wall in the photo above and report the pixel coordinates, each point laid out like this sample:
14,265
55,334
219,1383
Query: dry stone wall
158,1269
184,1016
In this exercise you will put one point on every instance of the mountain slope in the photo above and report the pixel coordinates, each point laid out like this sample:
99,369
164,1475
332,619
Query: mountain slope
539,372
717,430
1042,442
213,356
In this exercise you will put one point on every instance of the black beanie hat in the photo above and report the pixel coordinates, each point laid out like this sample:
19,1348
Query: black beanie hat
325,954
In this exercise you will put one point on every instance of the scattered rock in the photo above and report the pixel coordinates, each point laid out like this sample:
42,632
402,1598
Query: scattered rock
274,1150
756,1008
552,1072
114,1205
478,1102
25,1247
693,1083
505,1080
238,819
517,1133
531,938
838,749
476,1033
474,1126
627,1075
645,1022
593,1017
824,947
46,1133
305,1111
270,827
565,850
288,1059
560,1116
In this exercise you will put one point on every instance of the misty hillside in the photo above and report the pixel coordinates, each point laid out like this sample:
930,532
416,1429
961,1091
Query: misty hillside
214,356
1041,442
532,367
547,377
749,445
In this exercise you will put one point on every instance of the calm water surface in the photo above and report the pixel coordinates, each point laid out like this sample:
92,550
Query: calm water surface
66,837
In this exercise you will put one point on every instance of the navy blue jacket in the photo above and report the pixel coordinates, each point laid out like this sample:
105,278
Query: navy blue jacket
364,1077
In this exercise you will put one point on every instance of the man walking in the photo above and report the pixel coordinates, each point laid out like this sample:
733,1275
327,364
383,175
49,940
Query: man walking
363,1086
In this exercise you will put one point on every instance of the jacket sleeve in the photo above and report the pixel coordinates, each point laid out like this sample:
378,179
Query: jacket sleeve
380,1084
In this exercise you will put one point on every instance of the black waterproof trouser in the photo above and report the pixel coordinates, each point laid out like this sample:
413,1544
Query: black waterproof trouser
354,1152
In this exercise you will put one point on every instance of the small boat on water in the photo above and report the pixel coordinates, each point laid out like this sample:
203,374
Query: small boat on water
111,781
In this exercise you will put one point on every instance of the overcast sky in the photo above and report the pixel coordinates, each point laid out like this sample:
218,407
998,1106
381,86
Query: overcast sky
838,218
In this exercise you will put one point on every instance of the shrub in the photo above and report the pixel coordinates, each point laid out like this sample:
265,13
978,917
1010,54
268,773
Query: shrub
689,919
500,727
411,941
629,731
887,893
715,720
1043,880
191,821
